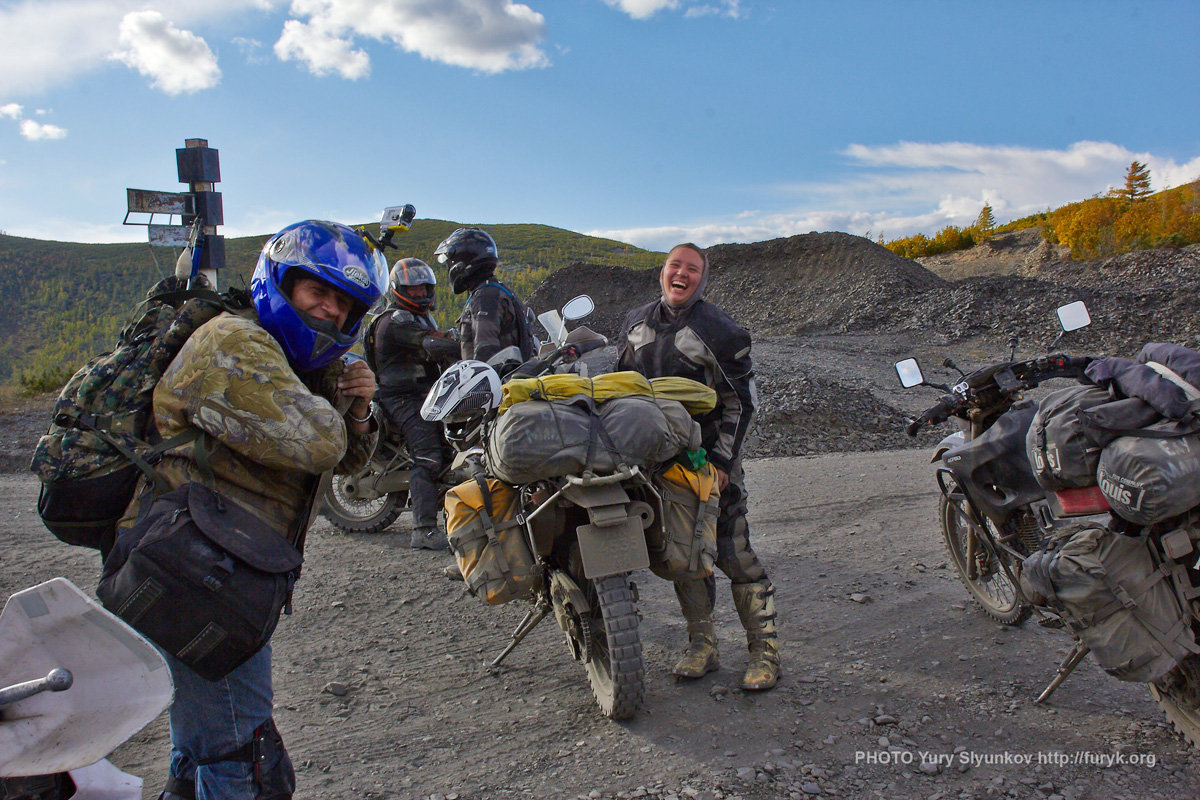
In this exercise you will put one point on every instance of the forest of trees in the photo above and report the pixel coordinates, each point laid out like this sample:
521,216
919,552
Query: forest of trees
1129,217
66,302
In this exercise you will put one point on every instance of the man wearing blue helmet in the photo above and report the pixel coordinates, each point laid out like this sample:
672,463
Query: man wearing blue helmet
277,407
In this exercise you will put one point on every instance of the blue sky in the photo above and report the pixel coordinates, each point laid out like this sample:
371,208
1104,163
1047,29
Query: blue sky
649,121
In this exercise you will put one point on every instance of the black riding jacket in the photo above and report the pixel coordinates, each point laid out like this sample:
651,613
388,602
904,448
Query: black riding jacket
393,346
704,344
493,319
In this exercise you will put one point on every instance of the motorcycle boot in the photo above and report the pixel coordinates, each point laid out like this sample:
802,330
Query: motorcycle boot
700,656
755,603
428,538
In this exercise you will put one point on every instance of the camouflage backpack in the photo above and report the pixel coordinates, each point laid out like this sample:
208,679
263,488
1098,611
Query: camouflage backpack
102,437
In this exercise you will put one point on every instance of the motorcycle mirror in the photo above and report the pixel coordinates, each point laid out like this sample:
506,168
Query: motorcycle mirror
1074,316
578,307
909,372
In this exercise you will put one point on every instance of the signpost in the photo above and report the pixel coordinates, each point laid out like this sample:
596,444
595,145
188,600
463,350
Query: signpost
199,209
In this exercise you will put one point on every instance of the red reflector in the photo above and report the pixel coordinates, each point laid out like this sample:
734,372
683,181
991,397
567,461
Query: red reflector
1089,500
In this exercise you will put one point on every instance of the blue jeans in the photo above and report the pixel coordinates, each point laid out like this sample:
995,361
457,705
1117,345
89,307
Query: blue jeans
212,718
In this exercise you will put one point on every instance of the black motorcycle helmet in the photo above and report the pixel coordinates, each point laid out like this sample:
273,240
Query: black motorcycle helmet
471,255
412,272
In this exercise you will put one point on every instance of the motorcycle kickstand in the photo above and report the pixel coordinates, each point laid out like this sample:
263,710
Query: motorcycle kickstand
1064,669
528,623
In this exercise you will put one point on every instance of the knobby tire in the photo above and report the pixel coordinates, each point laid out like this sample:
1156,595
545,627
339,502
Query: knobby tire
994,593
614,666
361,516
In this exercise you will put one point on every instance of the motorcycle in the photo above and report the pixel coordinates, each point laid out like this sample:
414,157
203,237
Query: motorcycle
76,682
994,514
371,499
585,531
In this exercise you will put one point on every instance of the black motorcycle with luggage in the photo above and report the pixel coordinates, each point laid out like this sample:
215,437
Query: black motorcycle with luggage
1080,509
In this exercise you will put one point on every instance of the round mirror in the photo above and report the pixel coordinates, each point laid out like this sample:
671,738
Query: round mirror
578,307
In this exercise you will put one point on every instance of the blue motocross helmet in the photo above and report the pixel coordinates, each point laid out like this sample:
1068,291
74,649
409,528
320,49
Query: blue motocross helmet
328,252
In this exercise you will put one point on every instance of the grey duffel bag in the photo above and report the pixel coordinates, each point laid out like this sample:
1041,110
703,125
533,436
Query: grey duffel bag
537,439
1153,474
1061,453
1119,600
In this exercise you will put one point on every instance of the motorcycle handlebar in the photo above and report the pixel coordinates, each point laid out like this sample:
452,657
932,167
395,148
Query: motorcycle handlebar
536,367
1028,374
935,415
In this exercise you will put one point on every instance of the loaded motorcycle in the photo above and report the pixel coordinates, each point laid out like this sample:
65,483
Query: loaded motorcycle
999,523
583,528
371,499
75,682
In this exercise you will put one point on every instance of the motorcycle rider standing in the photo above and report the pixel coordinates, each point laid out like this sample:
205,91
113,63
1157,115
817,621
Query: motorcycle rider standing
406,350
682,335
493,320
277,407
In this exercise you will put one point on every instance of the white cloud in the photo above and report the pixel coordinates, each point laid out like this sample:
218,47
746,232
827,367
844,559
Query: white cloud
175,60
322,50
35,131
644,9
728,8
12,110
45,43
911,187
486,35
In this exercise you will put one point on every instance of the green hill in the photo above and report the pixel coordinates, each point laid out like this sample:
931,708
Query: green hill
66,302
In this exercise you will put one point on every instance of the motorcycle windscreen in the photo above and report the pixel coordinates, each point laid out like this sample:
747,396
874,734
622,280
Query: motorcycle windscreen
993,468
120,684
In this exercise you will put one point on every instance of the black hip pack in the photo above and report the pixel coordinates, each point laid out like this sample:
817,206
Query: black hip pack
201,577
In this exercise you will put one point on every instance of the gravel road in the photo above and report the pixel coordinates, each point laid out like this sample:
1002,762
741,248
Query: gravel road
894,686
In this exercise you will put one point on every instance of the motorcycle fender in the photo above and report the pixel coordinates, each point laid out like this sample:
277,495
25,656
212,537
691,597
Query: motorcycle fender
613,549
566,592
956,439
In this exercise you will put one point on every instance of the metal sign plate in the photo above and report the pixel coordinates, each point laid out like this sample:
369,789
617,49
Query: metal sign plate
169,235
149,201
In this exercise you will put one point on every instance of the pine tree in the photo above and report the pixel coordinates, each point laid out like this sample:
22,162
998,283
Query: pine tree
985,223
1137,183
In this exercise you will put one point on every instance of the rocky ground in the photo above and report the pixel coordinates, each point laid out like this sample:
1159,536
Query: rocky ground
895,687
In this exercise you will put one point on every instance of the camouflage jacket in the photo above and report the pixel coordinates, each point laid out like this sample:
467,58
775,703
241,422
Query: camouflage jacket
271,432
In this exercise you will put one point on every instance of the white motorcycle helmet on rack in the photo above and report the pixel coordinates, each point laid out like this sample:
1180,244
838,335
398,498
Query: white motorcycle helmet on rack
466,390
461,399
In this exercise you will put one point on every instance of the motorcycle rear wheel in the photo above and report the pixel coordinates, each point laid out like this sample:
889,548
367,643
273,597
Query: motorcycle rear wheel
353,515
994,593
614,660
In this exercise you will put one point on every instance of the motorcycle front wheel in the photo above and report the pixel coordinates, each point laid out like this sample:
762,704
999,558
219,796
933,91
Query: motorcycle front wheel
353,515
614,659
990,587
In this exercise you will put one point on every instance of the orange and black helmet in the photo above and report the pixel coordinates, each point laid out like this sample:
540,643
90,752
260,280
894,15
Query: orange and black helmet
412,272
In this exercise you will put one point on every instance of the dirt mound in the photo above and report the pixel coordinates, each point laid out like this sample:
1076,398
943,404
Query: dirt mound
1021,252
819,398
818,282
